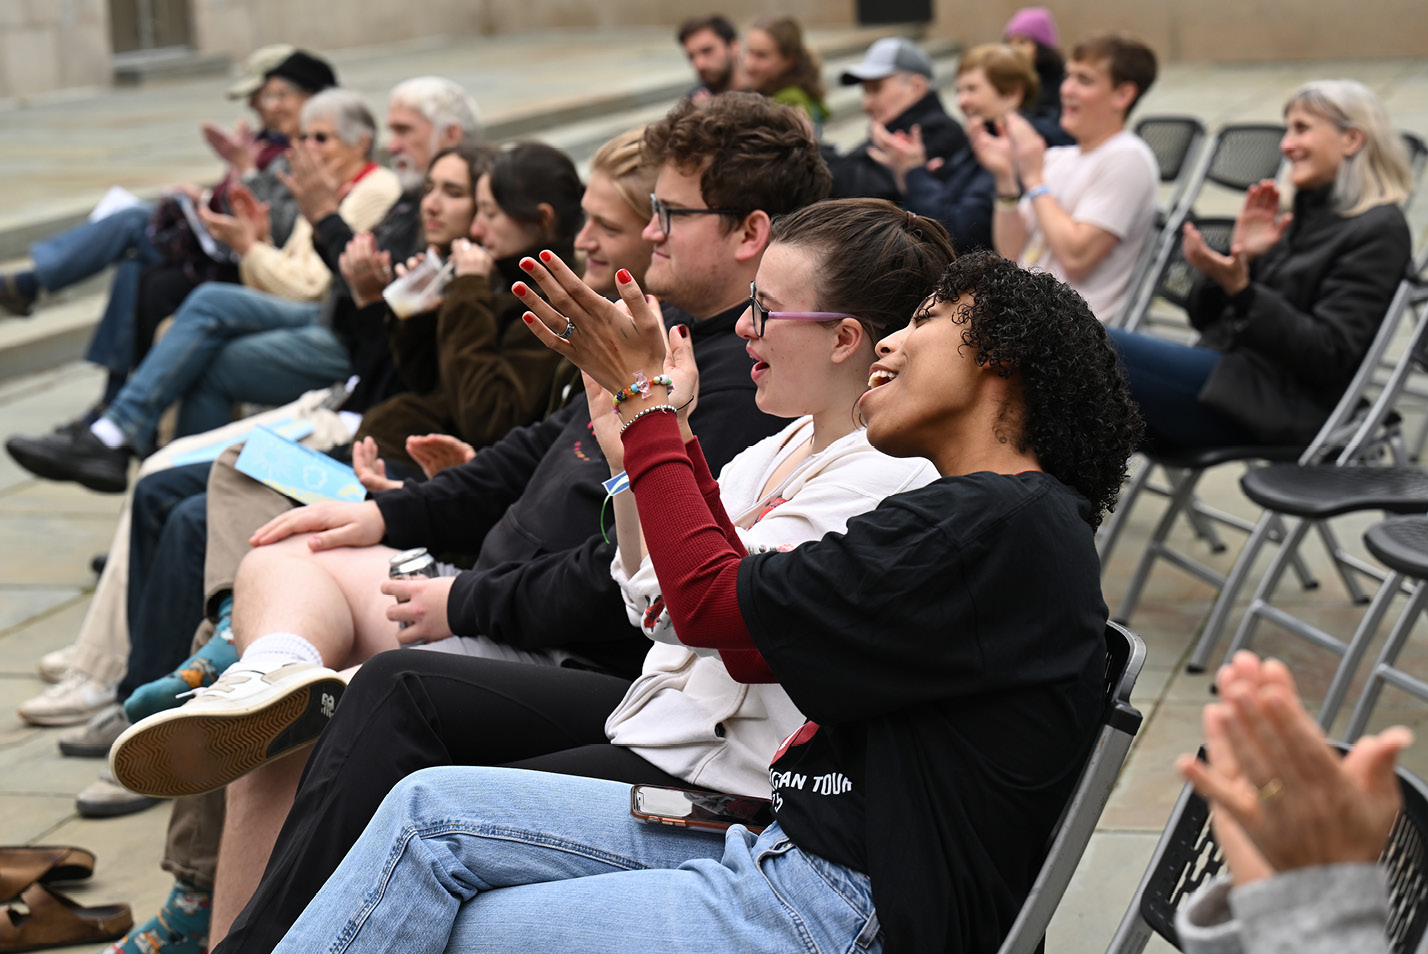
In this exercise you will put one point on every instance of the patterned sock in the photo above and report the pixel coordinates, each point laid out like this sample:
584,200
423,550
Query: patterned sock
181,927
195,672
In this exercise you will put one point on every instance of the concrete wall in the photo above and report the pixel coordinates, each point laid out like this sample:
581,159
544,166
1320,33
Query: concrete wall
502,16
236,27
52,44
1221,31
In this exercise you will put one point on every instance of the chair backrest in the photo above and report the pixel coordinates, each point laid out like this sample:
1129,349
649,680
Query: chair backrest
1243,154
1188,856
1175,142
1125,655
1417,159
1177,275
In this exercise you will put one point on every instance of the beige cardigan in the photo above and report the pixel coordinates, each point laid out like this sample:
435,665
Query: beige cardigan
296,271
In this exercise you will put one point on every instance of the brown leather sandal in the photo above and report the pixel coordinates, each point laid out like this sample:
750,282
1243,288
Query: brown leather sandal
23,865
43,917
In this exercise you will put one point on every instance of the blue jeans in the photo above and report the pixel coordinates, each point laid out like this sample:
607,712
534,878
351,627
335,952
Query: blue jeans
208,320
167,541
505,860
120,240
1165,380
268,367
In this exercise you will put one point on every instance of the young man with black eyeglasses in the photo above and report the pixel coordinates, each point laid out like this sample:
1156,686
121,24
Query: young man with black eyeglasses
528,509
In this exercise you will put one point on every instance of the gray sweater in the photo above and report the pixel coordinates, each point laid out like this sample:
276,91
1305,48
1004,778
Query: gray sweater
1328,909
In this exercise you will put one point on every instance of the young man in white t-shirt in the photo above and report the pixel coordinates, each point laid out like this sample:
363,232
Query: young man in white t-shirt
1081,212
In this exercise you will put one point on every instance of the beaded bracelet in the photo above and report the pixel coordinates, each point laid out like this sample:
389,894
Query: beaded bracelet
1036,192
641,387
649,410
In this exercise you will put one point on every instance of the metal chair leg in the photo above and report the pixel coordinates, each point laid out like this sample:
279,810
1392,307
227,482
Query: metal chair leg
1288,551
1224,602
1183,483
1359,643
1386,657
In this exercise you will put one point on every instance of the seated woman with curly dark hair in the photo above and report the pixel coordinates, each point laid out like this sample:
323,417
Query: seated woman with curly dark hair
948,650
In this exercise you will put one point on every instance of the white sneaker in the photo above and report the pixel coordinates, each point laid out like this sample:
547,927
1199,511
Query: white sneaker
253,714
73,700
53,666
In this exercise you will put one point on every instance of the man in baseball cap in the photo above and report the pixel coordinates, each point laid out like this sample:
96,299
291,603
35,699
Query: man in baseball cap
898,93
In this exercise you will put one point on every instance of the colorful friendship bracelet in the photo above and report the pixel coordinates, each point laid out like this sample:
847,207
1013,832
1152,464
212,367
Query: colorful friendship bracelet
641,387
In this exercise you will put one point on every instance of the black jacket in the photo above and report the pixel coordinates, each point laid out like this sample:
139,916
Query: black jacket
1294,338
529,507
961,195
858,175
363,331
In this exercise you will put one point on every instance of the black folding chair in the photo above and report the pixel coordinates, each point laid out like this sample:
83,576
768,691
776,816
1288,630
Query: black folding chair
1239,156
1317,491
1125,654
1187,857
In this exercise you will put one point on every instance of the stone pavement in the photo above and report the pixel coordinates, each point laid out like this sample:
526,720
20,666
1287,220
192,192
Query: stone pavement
50,532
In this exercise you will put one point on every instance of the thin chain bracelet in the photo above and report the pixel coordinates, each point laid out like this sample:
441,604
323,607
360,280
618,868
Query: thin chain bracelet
649,410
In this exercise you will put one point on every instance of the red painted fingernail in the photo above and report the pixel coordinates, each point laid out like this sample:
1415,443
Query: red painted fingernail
528,318
624,277
528,264
683,331
518,289
546,256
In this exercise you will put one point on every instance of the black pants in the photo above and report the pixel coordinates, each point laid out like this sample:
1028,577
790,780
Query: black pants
407,710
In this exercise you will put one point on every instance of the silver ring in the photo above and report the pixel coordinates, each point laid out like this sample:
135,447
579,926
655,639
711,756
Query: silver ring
569,330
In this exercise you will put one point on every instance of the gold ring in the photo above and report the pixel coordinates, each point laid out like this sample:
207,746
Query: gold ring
1271,790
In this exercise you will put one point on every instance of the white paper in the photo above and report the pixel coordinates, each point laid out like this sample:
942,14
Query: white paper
117,199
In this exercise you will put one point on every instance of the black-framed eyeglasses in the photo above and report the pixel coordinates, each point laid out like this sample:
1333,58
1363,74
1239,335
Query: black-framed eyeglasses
317,137
664,213
762,314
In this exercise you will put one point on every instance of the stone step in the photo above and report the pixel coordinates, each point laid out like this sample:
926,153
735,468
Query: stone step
59,330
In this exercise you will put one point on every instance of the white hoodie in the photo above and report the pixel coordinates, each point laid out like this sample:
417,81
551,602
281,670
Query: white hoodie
685,714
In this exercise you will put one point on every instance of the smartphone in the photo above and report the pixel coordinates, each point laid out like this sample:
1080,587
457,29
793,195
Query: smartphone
683,808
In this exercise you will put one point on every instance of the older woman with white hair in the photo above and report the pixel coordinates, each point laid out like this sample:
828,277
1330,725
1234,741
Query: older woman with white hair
273,318
1287,315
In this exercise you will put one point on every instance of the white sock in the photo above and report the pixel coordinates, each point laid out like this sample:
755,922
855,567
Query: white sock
108,432
279,648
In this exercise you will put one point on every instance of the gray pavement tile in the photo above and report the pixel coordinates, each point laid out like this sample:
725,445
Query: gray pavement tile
59,548
19,605
21,647
1100,892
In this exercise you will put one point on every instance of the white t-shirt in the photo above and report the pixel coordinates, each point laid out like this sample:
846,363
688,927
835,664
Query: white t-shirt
1111,187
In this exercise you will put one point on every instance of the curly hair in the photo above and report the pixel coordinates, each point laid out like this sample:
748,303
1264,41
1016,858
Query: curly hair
749,153
1078,416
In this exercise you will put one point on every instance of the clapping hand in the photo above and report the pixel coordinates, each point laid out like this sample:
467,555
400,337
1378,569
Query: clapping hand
1280,797
611,344
238,148
314,188
366,270
370,468
900,152
249,224
1231,272
1260,225
436,452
